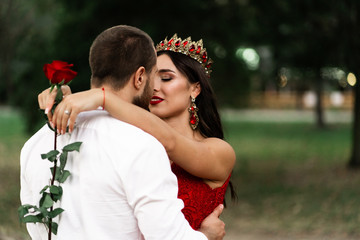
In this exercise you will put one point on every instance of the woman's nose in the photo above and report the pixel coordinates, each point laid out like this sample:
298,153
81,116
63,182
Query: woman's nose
157,84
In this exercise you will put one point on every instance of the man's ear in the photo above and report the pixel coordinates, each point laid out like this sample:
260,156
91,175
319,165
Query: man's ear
139,77
195,89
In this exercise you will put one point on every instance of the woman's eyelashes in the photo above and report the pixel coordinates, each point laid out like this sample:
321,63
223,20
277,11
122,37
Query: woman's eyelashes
166,78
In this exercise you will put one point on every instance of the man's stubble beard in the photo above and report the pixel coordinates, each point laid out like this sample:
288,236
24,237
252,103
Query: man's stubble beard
144,99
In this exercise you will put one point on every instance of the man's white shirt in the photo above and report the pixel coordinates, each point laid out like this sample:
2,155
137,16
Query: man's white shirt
121,185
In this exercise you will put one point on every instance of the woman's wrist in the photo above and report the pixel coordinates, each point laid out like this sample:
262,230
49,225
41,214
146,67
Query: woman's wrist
103,102
96,97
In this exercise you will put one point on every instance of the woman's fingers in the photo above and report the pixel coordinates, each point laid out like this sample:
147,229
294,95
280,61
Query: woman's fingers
59,110
72,119
66,90
50,99
65,115
64,120
42,98
46,100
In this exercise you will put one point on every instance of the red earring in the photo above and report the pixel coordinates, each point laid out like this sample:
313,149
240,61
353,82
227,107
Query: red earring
194,119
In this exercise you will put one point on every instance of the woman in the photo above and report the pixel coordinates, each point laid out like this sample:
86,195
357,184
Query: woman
183,117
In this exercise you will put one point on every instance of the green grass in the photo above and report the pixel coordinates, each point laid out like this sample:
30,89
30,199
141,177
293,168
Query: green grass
12,138
291,178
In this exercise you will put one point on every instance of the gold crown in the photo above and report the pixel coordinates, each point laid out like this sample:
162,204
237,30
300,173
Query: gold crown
190,48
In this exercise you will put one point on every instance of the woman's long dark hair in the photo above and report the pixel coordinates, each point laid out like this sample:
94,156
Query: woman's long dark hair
209,118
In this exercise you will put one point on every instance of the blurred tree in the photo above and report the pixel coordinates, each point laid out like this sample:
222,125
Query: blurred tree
218,24
349,35
27,31
71,26
302,35
311,35
14,26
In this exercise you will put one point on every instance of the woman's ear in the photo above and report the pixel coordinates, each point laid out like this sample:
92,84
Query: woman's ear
139,77
195,89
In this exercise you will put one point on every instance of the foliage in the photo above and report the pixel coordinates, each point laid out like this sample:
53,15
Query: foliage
71,26
303,35
29,26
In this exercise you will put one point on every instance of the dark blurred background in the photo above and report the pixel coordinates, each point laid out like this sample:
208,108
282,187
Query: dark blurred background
308,49
258,46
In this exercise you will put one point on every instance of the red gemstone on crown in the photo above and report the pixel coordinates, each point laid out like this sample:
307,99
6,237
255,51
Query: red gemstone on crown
170,42
185,43
192,48
198,50
177,44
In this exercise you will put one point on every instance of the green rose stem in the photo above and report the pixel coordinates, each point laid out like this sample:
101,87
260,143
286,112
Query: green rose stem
52,181
50,194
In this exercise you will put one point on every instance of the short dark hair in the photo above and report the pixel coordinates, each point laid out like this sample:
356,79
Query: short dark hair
117,53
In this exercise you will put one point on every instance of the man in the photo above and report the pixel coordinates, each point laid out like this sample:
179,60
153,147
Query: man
121,185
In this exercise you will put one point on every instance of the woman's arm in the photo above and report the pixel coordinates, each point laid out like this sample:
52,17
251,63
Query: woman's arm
211,158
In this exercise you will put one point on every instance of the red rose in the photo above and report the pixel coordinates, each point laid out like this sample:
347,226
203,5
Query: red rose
59,71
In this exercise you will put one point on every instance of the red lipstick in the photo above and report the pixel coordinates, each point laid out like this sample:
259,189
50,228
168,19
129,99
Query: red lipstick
156,100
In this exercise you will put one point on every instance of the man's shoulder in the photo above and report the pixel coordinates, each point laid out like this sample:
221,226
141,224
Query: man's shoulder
43,132
102,122
40,140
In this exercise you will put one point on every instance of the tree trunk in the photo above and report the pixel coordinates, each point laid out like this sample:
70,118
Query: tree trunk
319,108
355,155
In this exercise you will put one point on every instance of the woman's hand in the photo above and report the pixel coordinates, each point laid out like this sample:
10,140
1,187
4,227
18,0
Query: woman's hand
66,112
46,99
212,226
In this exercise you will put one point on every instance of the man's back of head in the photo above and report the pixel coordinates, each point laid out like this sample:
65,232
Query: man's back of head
117,53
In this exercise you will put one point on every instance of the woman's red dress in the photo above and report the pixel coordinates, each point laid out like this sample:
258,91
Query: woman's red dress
199,198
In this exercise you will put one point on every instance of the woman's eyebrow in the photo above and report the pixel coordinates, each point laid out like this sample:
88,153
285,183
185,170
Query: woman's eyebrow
166,70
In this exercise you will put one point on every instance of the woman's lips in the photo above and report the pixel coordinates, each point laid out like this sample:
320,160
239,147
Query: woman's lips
156,100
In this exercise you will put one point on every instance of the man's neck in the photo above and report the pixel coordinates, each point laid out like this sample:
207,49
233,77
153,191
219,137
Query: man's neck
123,93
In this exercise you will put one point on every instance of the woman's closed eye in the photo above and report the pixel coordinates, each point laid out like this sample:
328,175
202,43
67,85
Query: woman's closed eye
166,74
165,78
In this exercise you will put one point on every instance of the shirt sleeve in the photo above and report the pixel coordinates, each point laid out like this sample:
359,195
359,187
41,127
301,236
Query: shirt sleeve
151,189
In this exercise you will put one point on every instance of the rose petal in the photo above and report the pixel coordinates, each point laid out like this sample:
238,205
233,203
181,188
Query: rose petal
59,71
49,71
67,75
59,65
